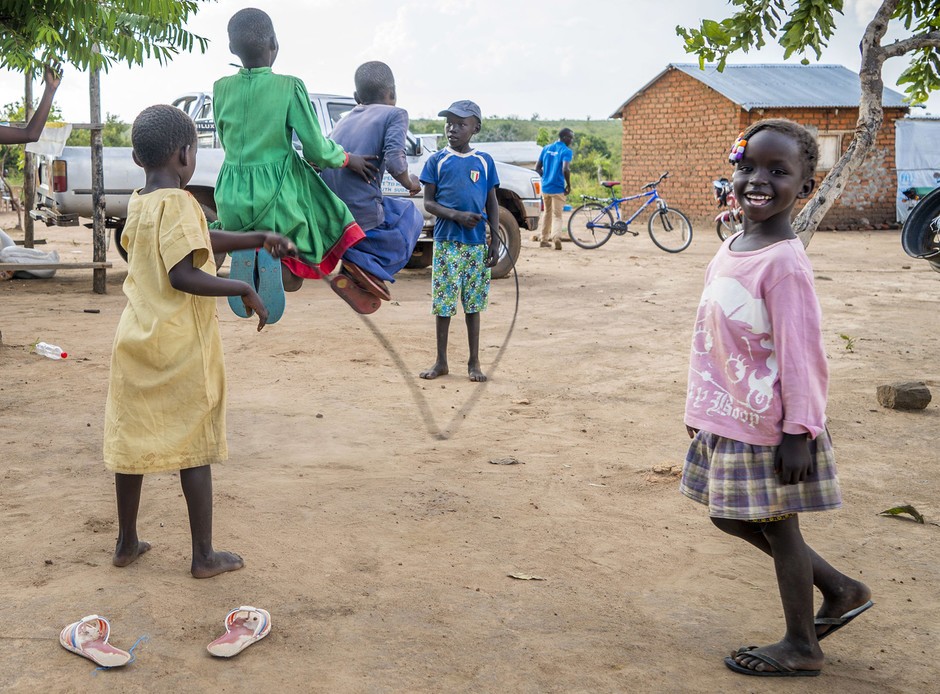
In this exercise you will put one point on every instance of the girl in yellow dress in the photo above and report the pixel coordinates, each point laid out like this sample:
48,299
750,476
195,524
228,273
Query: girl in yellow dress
166,397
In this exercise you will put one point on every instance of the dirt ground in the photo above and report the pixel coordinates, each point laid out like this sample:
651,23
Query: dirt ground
383,551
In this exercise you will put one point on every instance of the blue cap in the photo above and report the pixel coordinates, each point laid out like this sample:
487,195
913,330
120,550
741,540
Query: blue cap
462,109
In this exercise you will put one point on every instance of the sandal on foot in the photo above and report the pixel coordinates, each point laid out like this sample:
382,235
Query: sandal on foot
88,637
367,281
358,298
779,669
270,285
244,626
243,269
836,623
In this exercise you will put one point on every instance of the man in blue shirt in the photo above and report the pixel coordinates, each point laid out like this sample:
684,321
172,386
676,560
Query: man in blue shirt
554,168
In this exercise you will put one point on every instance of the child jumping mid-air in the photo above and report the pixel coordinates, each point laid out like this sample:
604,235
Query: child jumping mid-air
166,397
377,127
264,183
460,190
756,406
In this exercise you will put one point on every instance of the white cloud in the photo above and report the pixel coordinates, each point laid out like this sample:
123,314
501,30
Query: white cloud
511,56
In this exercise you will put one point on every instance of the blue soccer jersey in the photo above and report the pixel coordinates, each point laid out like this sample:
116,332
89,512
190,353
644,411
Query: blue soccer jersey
463,182
553,158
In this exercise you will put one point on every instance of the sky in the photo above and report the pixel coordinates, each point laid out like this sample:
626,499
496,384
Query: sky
555,59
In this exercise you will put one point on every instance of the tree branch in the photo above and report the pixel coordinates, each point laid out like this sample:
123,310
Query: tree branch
904,46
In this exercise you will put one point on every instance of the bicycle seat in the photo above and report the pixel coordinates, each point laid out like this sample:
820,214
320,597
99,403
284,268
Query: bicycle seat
610,184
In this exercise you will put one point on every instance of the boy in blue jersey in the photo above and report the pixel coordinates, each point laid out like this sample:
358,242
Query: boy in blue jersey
460,190
554,168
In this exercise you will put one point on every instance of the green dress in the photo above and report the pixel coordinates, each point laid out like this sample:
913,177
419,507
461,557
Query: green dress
264,184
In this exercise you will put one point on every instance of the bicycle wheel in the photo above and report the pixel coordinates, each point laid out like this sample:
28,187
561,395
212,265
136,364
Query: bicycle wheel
727,227
670,229
589,226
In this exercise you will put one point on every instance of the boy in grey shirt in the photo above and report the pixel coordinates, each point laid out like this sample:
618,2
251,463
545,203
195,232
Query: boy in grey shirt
376,128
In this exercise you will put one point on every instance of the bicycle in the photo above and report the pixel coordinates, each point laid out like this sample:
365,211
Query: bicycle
728,222
591,225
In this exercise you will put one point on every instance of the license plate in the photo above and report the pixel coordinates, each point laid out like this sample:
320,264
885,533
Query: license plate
392,187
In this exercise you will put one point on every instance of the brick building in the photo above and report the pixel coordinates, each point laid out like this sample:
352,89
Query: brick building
685,120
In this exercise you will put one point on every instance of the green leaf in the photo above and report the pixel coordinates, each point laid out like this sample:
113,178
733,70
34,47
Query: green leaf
908,509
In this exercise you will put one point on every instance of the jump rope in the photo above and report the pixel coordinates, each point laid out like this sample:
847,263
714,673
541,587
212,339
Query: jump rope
421,401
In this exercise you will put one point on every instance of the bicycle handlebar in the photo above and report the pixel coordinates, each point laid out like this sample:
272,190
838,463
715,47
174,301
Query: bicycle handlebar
655,183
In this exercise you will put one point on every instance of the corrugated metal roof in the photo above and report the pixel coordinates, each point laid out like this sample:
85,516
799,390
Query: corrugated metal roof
780,86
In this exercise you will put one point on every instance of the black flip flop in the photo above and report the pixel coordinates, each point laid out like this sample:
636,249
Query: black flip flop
836,623
780,670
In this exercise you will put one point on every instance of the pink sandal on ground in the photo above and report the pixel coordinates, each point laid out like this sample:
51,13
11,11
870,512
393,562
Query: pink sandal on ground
243,626
88,637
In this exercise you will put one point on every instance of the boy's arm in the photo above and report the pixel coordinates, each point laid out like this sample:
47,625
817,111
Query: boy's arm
275,244
492,217
393,149
409,181
33,129
464,219
185,277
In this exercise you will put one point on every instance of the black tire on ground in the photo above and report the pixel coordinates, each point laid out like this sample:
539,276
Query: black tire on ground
211,216
727,228
422,256
670,229
118,231
511,243
589,226
920,235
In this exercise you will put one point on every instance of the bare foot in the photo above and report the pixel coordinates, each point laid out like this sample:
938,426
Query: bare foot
215,564
781,652
476,375
852,595
437,370
125,556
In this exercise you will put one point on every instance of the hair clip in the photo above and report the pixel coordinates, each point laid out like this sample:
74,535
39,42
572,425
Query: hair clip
737,150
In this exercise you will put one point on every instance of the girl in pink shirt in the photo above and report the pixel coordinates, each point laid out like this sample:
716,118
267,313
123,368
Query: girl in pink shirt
756,403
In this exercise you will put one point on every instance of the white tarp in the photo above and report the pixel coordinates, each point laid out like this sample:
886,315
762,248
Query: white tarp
917,158
51,140
11,253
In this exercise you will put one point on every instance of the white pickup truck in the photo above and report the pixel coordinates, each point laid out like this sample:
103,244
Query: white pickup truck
63,188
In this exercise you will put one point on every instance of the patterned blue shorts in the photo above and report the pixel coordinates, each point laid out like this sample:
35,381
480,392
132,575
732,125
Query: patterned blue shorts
459,270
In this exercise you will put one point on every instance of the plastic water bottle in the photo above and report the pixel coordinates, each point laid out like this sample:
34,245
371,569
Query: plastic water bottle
50,351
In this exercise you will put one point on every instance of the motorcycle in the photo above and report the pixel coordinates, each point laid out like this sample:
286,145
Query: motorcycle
729,221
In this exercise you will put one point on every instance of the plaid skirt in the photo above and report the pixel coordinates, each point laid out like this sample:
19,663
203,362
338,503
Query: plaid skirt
737,480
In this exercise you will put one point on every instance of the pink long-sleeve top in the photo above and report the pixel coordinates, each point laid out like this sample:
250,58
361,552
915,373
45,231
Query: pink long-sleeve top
758,367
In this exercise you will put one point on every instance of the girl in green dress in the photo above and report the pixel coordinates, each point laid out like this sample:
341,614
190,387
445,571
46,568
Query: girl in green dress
263,182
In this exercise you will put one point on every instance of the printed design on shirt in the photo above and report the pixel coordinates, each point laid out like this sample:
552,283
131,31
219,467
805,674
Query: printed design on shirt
750,379
474,175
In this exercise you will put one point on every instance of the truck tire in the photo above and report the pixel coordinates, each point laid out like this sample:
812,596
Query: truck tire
118,230
422,256
510,246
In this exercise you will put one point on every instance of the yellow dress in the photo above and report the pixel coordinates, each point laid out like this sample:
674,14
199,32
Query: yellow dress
166,397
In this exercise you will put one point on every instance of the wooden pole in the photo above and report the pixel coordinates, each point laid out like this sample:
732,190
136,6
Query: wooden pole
29,173
99,282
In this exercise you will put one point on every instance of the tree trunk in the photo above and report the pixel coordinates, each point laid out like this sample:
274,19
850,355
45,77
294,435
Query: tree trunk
870,118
